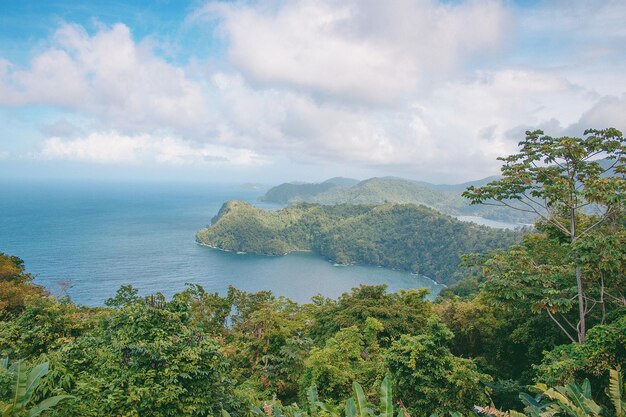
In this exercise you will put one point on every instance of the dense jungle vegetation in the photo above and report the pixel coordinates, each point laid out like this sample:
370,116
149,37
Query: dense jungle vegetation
402,236
537,329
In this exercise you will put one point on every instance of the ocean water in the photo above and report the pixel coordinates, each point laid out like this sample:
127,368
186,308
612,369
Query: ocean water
88,239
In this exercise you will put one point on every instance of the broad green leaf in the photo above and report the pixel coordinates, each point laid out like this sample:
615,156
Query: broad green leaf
311,395
47,404
21,379
361,403
386,398
350,408
34,376
586,388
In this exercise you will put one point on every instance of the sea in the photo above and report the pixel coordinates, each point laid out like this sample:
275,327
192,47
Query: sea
86,239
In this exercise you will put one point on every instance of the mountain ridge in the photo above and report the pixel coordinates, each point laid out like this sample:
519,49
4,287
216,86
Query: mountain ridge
444,198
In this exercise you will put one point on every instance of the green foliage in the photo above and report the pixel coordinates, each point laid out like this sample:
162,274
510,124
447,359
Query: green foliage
266,342
407,237
553,176
556,179
142,359
206,311
574,399
569,400
429,379
404,312
604,349
202,354
23,383
16,287
386,398
296,193
43,326
346,357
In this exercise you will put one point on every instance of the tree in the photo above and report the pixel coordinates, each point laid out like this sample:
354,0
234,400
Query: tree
562,182
15,286
429,378
142,360
604,349
352,354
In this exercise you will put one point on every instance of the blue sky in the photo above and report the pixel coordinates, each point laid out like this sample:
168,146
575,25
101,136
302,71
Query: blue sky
276,90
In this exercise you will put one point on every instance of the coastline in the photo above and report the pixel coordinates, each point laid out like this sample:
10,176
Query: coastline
335,264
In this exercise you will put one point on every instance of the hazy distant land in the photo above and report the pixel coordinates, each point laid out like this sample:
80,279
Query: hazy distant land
444,198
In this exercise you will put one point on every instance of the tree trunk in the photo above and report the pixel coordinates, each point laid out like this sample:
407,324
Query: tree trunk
581,307
581,328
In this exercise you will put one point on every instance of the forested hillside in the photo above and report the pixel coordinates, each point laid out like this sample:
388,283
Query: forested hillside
443,198
535,329
402,236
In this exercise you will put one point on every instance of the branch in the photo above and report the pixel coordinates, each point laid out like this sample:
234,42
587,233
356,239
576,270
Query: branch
568,322
543,206
591,155
546,218
503,204
561,327
618,299
612,166
588,310
581,205
606,215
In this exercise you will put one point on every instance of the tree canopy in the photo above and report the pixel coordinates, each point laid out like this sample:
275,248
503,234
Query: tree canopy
577,188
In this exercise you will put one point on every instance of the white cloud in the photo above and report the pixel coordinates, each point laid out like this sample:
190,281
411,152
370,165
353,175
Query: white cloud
115,148
110,77
369,50
459,129
286,121
609,111
405,87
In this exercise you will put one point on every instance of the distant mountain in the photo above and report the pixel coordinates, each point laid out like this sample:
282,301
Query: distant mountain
458,188
290,193
342,181
444,198
297,192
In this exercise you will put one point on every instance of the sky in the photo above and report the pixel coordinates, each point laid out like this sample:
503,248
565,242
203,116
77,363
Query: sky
273,91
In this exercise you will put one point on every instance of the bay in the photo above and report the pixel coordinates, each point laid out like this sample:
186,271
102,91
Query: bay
89,238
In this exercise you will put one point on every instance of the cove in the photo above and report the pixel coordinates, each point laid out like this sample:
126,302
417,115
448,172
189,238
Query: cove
89,238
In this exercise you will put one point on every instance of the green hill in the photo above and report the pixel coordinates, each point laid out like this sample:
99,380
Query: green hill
294,192
444,198
402,236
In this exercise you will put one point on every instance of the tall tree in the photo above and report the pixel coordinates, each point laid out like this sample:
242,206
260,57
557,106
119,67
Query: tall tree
563,182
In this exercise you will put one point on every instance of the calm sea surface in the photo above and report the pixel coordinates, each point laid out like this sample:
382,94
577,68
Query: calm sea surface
98,236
